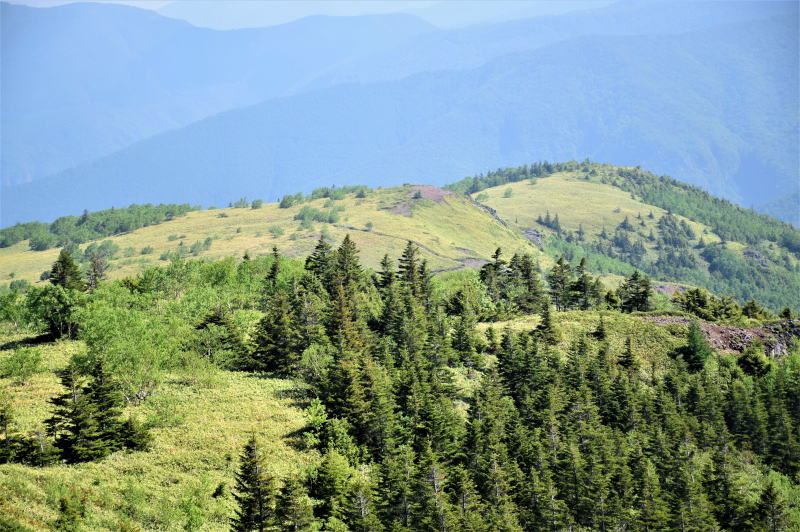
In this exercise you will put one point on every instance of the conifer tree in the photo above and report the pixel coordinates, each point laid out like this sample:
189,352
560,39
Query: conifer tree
770,512
696,351
600,332
255,492
347,266
74,424
560,279
277,340
547,330
294,509
408,269
321,263
628,360
65,272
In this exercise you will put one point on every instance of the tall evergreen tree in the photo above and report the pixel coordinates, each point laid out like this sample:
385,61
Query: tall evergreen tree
294,509
66,273
255,492
561,280
277,338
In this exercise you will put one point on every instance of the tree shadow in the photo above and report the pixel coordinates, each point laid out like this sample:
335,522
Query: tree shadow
27,342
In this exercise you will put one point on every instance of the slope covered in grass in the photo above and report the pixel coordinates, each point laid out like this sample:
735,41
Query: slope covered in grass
623,218
451,231
199,418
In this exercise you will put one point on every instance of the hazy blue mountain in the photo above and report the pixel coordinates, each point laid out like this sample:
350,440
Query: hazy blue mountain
233,14
712,107
443,13
83,80
124,74
473,46
786,207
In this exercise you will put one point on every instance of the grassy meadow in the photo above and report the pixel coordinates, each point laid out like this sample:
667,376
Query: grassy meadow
200,418
451,232
578,202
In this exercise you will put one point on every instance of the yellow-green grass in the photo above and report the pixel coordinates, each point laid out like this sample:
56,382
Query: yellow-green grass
202,421
578,202
449,232
650,342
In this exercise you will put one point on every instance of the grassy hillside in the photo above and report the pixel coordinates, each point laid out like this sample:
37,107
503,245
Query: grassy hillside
451,232
199,420
612,215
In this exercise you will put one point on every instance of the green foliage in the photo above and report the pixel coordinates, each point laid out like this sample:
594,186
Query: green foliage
696,351
90,226
255,492
21,364
471,185
55,309
65,273
308,214
416,417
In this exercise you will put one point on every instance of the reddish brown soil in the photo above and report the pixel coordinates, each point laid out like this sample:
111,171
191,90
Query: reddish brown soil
776,336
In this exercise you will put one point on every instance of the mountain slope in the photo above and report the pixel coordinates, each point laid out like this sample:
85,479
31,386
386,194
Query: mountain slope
107,75
671,103
451,231
625,218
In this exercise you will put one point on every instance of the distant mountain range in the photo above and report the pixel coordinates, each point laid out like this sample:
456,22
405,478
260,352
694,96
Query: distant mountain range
128,106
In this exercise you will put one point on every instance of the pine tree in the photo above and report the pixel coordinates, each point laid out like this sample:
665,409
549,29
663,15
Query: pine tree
332,486
277,339
66,273
628,360
74,424
600,332
770,513
560,279
255,492
696,351
321,263
408,269
547,330
294,509
347,267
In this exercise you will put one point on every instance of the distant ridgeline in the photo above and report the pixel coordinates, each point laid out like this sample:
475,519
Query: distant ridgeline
90,225
767,268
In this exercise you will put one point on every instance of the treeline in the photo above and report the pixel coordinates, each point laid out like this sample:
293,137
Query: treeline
728,220
90,225
502,176
334,193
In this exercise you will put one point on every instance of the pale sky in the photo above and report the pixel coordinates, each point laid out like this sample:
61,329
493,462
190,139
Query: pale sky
147,4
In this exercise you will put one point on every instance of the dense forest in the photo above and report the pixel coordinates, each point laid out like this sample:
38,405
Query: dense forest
425,414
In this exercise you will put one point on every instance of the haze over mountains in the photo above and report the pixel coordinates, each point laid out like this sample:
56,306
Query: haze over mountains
124,104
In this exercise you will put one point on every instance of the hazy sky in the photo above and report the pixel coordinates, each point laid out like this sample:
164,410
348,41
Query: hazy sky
148,4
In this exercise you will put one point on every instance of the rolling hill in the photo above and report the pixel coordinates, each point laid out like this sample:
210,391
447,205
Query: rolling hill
451,231
625,218
673,104
619,218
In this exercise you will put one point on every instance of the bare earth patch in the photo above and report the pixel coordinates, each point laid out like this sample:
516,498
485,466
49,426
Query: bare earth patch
428,192
777,337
